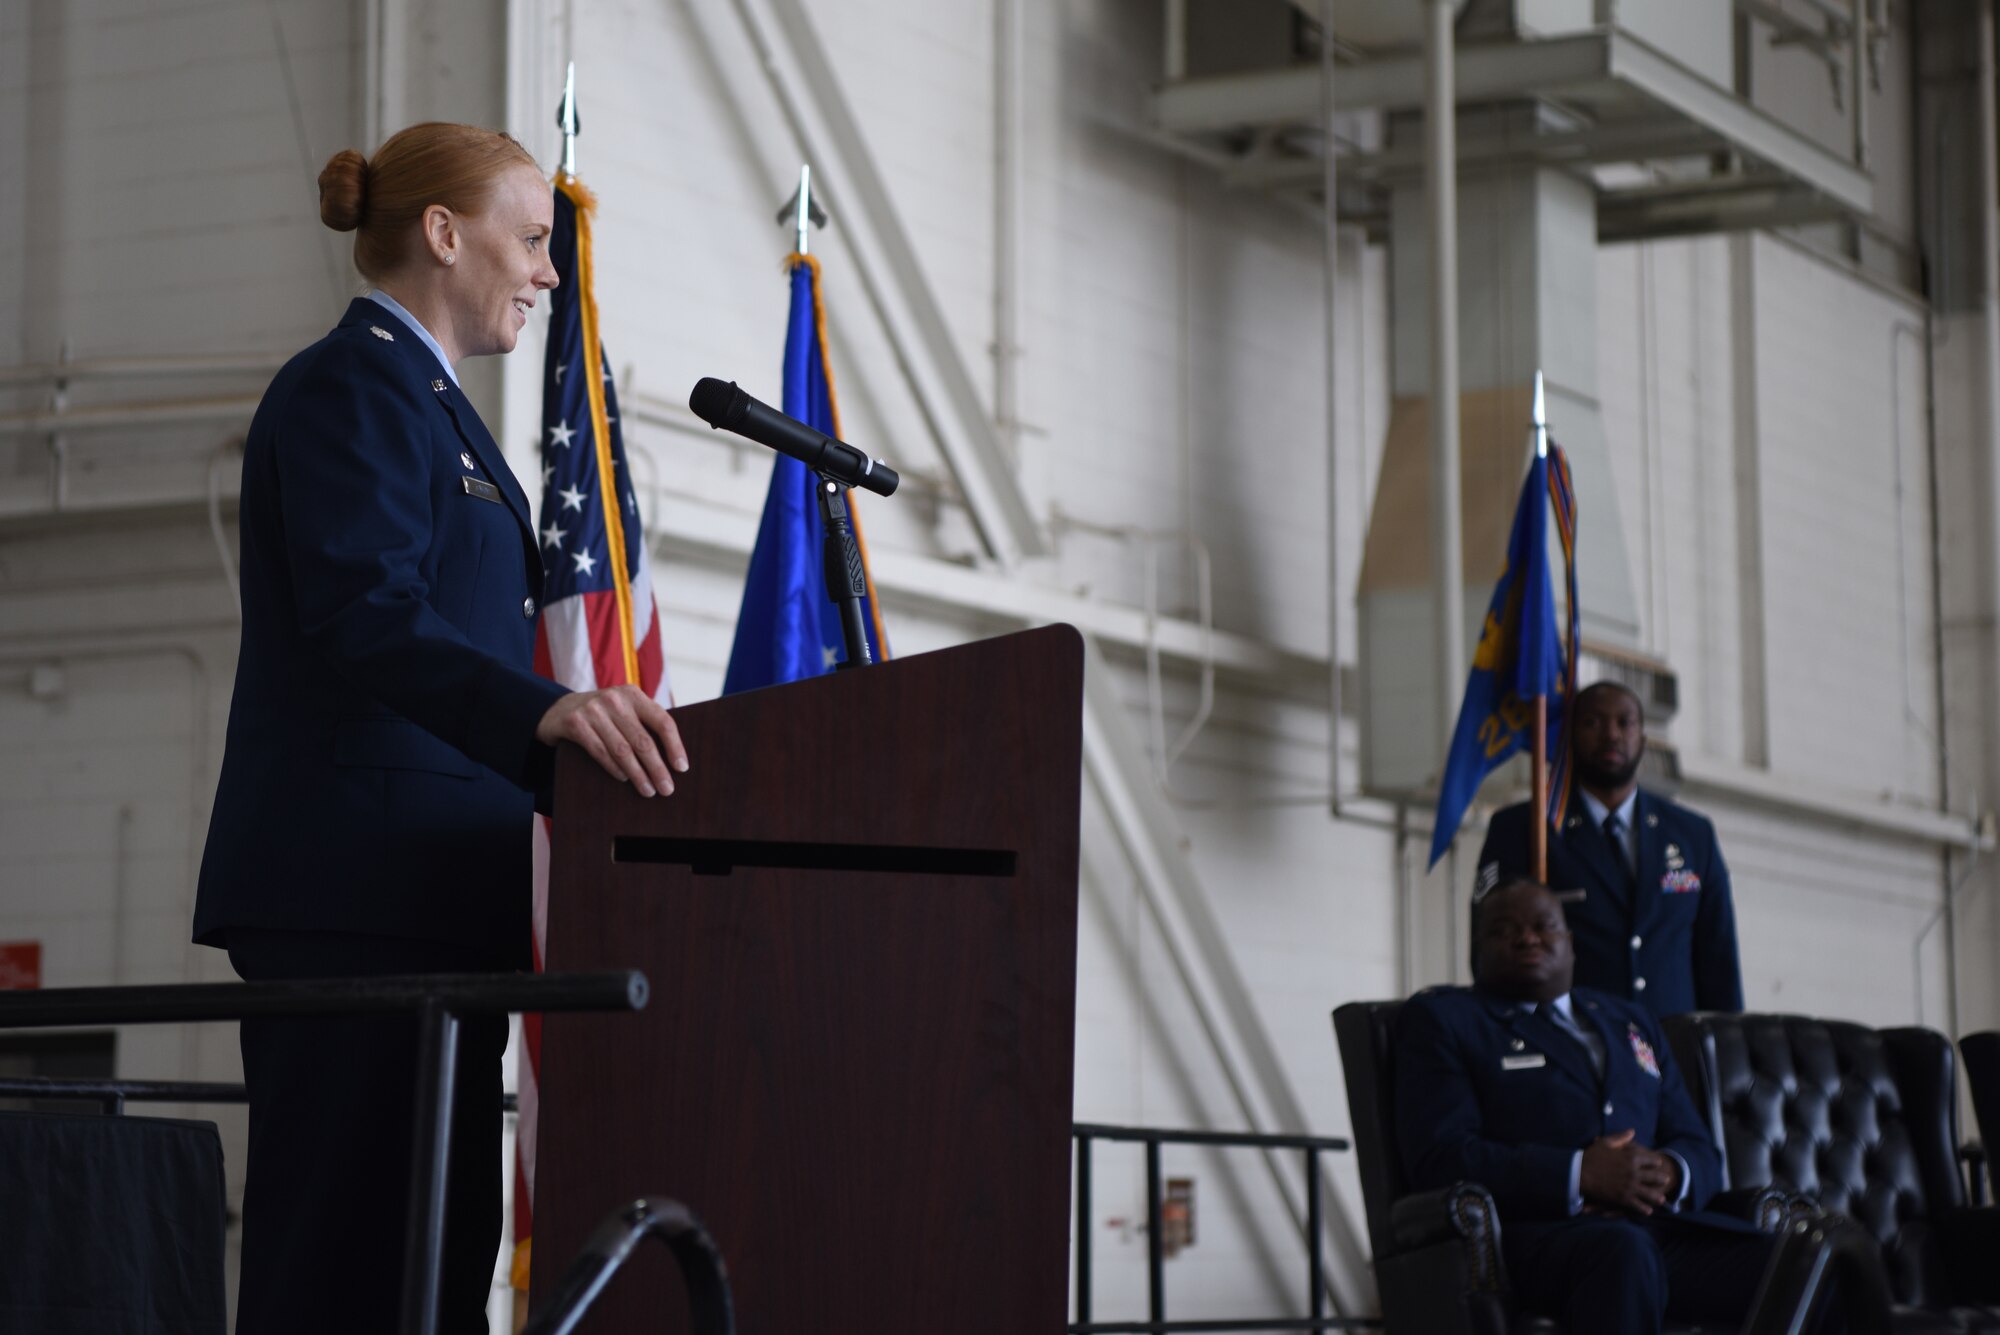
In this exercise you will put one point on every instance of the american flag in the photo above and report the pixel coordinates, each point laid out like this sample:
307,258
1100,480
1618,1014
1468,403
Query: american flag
599,626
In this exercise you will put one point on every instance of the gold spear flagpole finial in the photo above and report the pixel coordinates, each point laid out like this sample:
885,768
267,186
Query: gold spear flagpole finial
567,119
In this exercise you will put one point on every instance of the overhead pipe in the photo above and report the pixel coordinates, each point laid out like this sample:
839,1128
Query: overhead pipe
1008,140
1857,80
1441,196
1989,307
172,412
135,368
1330,237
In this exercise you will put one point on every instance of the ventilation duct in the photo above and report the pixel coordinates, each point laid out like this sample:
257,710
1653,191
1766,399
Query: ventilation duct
1528,302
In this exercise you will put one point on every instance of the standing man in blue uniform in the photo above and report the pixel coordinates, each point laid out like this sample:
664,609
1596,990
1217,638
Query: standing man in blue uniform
1565,1104
388,736
1641,879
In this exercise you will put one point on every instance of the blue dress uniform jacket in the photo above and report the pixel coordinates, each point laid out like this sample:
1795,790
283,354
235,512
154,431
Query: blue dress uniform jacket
381,752
1487,1093
1666,936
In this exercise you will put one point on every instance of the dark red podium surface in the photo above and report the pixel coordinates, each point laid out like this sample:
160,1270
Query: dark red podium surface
858,914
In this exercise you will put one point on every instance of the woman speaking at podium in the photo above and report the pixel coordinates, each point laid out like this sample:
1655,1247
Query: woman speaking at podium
388,734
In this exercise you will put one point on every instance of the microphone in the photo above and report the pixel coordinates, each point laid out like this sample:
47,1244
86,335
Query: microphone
727,408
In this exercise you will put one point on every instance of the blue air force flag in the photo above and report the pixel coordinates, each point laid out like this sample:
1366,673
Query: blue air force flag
788,628
1522,653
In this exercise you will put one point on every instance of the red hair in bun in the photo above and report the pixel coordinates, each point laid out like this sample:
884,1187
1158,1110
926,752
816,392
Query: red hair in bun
380,199
343,190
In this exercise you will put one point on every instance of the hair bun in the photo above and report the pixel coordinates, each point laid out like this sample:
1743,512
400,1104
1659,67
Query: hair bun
343,190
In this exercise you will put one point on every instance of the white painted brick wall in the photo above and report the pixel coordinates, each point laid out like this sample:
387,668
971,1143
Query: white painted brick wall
1171,376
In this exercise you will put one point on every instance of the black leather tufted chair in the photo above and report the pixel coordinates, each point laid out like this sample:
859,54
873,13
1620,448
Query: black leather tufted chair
1437,1253
1982,1076
1865,1121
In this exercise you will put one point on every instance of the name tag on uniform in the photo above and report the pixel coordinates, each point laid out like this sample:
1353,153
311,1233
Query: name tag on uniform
481,488
1572,896
1526,1061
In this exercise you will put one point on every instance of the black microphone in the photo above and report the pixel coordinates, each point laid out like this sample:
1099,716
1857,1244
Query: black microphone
727,408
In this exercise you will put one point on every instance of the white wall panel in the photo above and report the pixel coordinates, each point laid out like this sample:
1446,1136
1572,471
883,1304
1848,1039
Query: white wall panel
1845,527
1846,532
1666,378
1171,385
168,169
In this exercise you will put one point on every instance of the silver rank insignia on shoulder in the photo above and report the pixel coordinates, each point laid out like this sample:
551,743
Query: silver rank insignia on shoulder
381,333
1489,877
465,459
437,386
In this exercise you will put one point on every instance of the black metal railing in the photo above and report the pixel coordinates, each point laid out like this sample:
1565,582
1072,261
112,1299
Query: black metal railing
1310,1148
111,1096
439,1001
613,1243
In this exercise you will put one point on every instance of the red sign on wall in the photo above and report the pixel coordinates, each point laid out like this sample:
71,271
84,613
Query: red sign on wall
20,965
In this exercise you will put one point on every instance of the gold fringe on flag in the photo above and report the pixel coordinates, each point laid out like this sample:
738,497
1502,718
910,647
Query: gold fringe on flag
600,427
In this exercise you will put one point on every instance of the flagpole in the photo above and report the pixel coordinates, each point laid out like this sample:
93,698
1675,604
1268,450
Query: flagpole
845,572
566,118
1538,843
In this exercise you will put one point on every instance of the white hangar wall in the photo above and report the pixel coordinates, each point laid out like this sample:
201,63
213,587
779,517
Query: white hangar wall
156,167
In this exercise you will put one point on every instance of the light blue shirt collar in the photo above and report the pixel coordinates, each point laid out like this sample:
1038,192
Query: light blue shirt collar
1598,811
395,308
1561,1004
1628,811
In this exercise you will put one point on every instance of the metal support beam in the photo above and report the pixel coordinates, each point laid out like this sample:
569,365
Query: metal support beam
1700,208
1487,73
1762,137
1636,141
1610,66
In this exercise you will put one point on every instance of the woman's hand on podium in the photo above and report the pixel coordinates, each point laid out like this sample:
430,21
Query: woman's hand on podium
617,726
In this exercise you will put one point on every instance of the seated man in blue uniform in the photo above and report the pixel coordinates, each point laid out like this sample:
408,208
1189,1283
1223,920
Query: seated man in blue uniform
1641,878
1565,1104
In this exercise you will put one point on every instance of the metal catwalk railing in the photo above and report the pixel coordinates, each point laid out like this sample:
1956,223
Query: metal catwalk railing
619,1236
1310,1148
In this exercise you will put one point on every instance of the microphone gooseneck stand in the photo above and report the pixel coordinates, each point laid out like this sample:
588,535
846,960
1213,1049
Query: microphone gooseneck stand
846,578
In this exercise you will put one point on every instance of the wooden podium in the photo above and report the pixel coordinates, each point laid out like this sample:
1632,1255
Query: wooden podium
858,914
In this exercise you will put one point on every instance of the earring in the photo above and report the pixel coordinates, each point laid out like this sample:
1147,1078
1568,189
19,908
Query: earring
450,257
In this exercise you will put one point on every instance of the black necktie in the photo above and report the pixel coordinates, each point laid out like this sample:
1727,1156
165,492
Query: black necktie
1614,834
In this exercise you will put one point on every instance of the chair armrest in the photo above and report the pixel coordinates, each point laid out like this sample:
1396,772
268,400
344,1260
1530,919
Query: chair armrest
1766,1207
1463,1211
1968,1238
1973,1155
